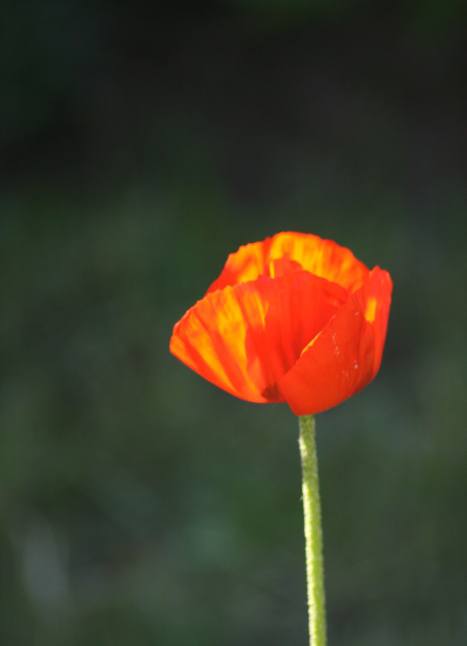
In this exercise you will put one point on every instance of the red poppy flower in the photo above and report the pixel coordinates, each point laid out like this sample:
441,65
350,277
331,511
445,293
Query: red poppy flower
293,319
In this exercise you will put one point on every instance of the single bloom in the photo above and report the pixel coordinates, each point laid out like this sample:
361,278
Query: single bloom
293,319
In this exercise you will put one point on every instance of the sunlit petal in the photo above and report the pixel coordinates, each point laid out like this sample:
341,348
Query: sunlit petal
323,258
246,337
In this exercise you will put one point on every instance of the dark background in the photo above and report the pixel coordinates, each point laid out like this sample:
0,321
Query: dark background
141,143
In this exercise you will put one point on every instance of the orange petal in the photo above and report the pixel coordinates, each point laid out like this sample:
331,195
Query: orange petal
248,263
323,258
246,337
346,355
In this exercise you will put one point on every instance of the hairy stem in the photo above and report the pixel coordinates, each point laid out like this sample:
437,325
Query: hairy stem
313,533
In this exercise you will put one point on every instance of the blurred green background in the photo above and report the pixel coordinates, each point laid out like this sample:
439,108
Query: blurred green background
140,143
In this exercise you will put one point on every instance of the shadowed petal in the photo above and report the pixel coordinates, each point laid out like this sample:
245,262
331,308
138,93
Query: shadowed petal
346,355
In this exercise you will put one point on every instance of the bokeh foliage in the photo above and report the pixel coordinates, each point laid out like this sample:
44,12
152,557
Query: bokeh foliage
141,144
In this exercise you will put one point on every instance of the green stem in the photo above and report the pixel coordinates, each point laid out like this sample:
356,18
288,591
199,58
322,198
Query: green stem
313,534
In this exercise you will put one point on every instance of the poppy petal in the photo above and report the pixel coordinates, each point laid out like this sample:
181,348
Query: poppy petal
246,337
323,258
346,355
248,263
